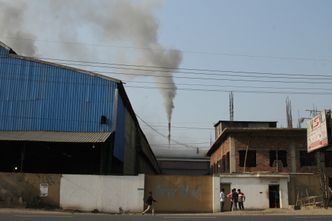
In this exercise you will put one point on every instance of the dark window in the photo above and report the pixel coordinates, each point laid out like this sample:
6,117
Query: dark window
225,163
103,119
307,159
11,157
222,164
277,157
251,158
328,158
215,168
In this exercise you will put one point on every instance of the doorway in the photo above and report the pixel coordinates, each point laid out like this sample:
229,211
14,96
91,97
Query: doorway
227,189
274,196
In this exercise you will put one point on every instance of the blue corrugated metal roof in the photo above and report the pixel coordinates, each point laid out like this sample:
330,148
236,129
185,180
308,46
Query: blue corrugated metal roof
37,95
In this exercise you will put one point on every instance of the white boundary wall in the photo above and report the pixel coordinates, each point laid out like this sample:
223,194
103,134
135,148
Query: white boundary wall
102,193
256,189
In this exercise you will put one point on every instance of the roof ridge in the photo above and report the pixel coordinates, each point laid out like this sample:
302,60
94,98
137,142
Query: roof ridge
37,60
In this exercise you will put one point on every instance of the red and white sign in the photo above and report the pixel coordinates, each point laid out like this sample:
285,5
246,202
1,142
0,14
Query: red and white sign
317,132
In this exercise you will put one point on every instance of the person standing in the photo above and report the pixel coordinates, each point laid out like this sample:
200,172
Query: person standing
222,199
229,197
241,199
149,201
235,198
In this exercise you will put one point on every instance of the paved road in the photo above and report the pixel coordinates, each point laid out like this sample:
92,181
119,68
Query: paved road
159,217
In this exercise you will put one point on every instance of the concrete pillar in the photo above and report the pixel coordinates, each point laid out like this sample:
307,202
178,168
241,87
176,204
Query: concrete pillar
216,194
232,155
293,157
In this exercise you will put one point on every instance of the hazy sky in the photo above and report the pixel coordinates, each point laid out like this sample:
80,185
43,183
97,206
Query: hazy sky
262,50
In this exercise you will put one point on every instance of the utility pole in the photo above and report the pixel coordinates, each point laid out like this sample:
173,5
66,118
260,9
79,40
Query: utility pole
320,156
313,112
231,106
318,140
289,113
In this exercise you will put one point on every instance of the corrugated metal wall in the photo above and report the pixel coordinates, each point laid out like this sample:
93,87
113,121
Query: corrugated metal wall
120,132
38,96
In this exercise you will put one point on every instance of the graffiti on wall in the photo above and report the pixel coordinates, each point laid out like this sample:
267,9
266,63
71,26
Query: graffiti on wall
181,193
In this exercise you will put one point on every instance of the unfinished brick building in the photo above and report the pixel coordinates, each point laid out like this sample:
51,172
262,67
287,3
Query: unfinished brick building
260,149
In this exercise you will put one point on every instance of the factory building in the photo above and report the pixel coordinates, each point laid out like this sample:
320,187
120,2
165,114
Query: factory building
59,119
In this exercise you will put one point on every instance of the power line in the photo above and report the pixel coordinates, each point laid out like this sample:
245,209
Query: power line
166,147
231,86
293,58
238,80
312,78
166,144
257,80
187,128
200,71
220,79
156,131
196,71
323,91
237,91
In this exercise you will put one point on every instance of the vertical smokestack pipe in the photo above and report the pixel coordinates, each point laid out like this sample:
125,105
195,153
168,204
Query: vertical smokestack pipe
169,133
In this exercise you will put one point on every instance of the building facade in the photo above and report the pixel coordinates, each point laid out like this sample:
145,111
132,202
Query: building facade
277,156
184,166
59,119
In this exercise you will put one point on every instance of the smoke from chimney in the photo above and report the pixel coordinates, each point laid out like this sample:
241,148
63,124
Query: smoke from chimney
24,22
12,24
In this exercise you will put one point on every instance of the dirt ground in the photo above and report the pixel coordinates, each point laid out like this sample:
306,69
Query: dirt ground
291,211
303,211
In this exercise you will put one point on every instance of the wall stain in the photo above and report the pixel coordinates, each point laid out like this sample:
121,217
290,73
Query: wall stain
23,190
184,191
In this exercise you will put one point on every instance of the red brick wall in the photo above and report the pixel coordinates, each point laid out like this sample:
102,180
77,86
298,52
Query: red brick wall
222,150
263,143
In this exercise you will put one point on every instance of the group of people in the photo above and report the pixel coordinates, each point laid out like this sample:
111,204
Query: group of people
236,198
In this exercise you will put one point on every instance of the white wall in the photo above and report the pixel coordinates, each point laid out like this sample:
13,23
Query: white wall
216,194
104,193
109,193
256,190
